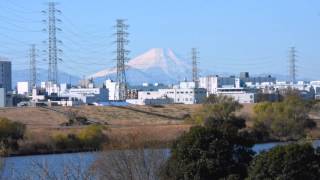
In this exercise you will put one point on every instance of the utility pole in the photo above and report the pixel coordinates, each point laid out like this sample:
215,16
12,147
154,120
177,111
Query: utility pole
52,42
195,76
121,41
33,67
292,65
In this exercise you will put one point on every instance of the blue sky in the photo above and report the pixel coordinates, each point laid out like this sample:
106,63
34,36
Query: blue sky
232,35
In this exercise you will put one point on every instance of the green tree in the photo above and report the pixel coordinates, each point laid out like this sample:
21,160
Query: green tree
292,162
10,133
284,120
209,153
216,108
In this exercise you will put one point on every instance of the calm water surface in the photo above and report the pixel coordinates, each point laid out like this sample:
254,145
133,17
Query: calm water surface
57,162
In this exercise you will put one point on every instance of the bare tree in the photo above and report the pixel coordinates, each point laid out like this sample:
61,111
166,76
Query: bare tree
137,164
75,169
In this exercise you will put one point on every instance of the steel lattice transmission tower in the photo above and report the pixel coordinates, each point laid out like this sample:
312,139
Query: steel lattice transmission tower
195,76
33,67
122,41
52,42
292,64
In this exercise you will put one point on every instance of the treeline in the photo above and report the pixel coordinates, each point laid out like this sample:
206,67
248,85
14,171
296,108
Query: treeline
286,120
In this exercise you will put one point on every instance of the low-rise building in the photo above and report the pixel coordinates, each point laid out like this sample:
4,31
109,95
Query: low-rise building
213,82
3,95
88,95
184,93
239,94
111,86
23,88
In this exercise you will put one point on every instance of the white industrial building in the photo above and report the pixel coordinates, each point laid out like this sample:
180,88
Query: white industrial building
184,93
238,94
88,95
23,88
227,86
150,98
111,86
212,83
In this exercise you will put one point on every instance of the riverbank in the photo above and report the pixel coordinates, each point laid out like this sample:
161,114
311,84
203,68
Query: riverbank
133,126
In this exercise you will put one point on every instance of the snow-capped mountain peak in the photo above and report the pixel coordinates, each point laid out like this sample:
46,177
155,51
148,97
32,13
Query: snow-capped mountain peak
155,65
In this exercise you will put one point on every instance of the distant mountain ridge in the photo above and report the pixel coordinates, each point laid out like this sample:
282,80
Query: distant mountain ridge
42,75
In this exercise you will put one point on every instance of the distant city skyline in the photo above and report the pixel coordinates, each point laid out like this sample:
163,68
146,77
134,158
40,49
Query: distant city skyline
232,36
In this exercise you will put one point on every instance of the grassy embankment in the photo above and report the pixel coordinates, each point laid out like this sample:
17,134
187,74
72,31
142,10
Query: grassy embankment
136,125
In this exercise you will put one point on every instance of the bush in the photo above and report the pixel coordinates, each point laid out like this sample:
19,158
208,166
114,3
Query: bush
89,138
216,108
208,153
292,161
286,120
10,133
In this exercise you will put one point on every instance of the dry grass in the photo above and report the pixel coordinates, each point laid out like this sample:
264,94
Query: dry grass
138,125
122,122
33,117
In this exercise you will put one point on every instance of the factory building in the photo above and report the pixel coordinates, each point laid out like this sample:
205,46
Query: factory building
88,95
213,82
23,88
111,86
184,93
239,94
227,86
256,81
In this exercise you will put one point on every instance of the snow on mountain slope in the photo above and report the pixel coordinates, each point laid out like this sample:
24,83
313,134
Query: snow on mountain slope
155,65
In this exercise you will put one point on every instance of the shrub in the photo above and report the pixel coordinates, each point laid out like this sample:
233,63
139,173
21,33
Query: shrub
10,133
216,108
208,153
286,120
91,136
292,161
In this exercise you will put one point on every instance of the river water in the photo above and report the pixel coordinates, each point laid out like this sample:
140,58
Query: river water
30,166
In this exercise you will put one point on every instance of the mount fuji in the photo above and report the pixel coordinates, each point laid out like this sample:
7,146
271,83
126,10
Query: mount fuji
157,65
